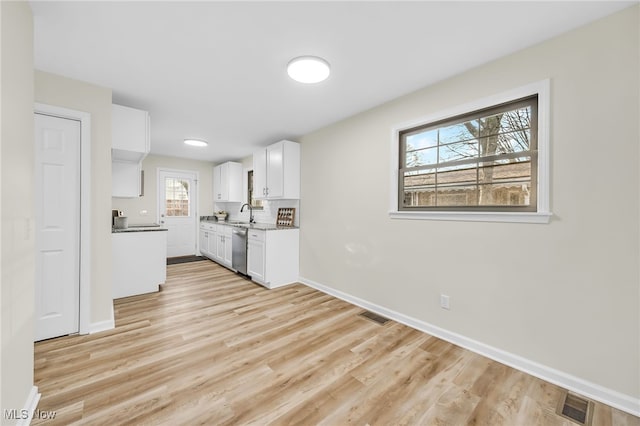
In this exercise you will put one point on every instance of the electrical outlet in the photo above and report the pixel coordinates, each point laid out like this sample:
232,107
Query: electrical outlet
444,302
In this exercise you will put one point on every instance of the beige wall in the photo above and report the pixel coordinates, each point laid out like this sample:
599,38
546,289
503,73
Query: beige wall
131,207
80,96
564,294
16,227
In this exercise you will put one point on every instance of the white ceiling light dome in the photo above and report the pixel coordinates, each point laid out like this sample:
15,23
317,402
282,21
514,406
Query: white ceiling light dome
308,69
195,142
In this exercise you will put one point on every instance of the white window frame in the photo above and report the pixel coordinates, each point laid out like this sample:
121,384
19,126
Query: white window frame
542,213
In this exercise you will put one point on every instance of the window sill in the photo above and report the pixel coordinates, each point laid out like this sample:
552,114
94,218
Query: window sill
519,217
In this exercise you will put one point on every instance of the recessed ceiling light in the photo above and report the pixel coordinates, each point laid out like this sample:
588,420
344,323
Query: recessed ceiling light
195,142
308,69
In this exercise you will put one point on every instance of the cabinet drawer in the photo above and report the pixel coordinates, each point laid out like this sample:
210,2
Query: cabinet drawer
256,235
208,226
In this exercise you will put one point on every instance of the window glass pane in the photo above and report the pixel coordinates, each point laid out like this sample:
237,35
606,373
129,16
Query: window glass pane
513,170
425,197
421,140
418,178
455,196
176,197
422,158
466,173
509,121
458,132
505,194
459,151
256,204
516,141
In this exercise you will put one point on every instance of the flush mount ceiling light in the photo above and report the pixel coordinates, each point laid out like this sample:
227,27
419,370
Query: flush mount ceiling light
308,69
195,142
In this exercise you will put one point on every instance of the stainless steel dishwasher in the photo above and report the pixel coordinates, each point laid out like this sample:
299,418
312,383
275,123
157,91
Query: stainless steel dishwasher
239,253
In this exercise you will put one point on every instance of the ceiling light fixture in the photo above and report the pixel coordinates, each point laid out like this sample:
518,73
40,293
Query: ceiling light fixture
308,69
195,142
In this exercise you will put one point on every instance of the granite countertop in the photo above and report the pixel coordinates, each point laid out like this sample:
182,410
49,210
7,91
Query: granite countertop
139,228
260,226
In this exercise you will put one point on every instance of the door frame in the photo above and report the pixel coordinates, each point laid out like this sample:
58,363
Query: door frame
85,205
160,198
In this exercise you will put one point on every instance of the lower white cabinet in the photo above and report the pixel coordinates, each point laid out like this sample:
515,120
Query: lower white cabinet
223,245
272,256
207,240
256,256
215,243
139,262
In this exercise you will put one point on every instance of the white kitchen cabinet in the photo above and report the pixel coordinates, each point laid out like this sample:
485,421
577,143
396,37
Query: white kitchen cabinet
256,256
130,134
276,171
130,144
227,182
204,242
223,245
208,240
125,179
139,262
272,256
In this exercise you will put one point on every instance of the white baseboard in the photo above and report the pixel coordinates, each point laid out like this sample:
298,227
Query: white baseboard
575,384
30,406
105,325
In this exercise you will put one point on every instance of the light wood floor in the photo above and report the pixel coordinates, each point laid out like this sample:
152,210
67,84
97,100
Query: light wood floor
213,348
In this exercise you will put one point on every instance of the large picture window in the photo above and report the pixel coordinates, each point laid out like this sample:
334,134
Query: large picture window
485,160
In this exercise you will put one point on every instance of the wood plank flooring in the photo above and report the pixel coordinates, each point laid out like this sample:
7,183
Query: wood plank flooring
213,348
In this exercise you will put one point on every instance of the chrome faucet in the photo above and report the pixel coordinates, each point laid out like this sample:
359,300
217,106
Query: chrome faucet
251,219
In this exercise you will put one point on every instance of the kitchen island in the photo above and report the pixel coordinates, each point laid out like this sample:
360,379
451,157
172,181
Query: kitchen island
139,256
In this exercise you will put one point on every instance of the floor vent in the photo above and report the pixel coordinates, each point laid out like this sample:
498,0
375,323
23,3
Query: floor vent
374,317
576,409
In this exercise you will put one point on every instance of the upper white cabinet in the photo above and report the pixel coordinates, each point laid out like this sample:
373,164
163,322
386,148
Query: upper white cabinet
276,171
130,134
125,179
227,182
129,145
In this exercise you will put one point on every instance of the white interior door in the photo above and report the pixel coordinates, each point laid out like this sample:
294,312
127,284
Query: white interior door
177,208
57,180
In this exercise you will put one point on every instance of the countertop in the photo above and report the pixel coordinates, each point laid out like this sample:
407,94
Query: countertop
259,226
139,228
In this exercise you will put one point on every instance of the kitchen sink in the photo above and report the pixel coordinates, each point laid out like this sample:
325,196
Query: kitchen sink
238,223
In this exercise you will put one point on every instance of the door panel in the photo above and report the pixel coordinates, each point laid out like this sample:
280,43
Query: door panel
177,209
57,180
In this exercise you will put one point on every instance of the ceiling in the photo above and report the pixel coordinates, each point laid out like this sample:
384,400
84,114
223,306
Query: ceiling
217,70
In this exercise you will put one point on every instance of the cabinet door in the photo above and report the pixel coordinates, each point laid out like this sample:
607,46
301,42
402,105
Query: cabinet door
125,179
275,170
130,131
204,243
219,247
256,260
213,245
218,183
260,174
228,247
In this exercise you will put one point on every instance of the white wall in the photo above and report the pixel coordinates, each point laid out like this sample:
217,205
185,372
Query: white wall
565,294
73,94
132,207
17,250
